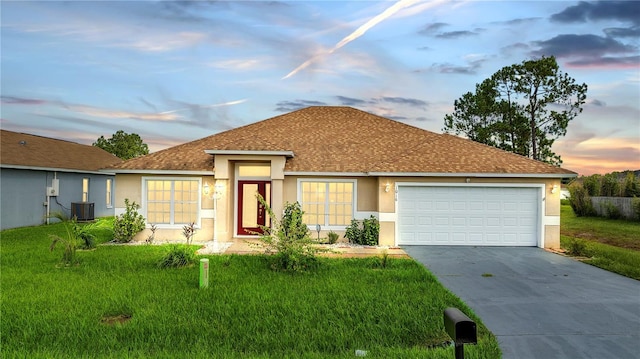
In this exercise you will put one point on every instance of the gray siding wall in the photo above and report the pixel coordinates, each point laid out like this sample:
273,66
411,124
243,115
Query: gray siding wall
23,195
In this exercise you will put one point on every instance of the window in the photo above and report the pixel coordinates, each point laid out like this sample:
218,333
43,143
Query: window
172,201
108,199
327,203
85,190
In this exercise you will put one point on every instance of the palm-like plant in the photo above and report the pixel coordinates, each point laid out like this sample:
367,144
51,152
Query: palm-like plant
77,236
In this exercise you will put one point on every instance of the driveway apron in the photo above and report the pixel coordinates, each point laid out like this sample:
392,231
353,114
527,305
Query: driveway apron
540,304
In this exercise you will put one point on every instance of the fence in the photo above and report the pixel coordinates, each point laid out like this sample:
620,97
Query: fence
623,204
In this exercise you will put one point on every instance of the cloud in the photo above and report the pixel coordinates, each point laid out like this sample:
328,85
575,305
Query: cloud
598,103
625,11
581,45
474,62
588,51
622,32
455,34
432,29
521,21
390,11
288,106
200,115
405,101
11,100
350,101
630,62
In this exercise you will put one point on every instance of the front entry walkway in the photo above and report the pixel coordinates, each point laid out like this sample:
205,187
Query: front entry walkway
541,304
343,250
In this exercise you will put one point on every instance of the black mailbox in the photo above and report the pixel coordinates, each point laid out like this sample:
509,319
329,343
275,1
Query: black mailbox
459,327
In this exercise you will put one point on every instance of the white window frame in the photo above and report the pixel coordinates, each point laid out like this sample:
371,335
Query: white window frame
144,204
354,209
85,194
109,192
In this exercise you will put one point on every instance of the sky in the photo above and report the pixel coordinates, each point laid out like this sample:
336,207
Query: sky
174,72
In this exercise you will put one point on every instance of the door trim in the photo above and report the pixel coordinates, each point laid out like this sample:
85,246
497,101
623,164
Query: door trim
266,186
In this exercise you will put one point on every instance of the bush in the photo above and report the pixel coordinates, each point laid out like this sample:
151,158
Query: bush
611,211
580,201
188,231
332,237
577,247
288,240
635,204
77,237
291,222
631,186
365,233
610,185
128,224
178,256
592,185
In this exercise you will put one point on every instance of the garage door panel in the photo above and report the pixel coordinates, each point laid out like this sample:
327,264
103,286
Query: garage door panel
468,215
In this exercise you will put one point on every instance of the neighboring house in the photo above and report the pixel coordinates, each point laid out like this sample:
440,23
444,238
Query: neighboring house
40,175
342,164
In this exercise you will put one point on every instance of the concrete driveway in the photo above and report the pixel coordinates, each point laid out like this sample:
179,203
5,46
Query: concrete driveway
540,304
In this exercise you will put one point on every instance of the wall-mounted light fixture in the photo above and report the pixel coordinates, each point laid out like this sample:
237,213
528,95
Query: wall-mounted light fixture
387,187
468,180
554,189
218,189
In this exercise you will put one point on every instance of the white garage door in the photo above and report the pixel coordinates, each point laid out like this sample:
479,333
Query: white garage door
483,216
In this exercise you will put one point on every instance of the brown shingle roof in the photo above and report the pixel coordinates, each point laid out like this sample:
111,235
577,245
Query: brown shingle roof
21,149
343,139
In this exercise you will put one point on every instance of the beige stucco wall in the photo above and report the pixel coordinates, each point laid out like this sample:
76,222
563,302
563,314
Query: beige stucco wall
371,196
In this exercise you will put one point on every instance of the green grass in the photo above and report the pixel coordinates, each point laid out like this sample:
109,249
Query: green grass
249,311
613,245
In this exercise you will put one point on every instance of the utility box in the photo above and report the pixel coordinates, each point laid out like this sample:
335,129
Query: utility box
54,189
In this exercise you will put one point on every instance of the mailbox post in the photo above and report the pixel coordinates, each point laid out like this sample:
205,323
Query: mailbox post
461,329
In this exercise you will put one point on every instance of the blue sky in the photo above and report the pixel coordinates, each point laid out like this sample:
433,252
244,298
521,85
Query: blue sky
173,72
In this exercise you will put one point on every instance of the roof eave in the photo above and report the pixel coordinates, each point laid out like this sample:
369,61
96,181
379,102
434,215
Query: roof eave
56,169
160,172
472,174
250,153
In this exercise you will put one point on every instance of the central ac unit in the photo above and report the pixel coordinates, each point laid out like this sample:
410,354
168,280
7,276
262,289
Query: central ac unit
83,211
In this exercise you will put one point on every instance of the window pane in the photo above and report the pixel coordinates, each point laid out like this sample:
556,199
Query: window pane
254,171
327,203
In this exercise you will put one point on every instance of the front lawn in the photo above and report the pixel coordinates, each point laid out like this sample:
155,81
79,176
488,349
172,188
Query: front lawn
118,304
610,244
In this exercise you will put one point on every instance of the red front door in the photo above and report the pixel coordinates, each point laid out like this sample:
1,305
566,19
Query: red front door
251,213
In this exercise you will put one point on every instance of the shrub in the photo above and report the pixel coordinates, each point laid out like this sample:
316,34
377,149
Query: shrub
332,237
188,231
353,232
178,256
631,187
611,211
77,237
288,240
635,204
577,247
151,236
128,224
580,201
610,185
291,222
592,185
366,233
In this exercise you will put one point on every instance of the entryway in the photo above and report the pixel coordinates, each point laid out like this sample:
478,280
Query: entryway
251,213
